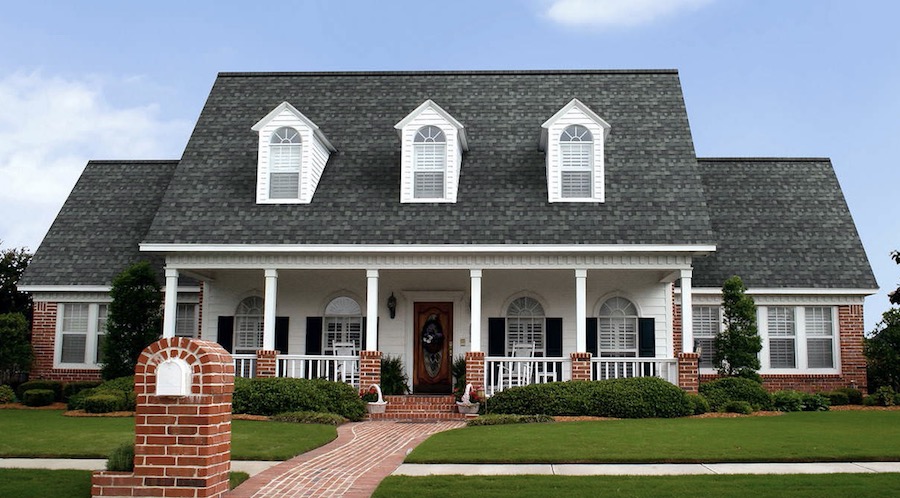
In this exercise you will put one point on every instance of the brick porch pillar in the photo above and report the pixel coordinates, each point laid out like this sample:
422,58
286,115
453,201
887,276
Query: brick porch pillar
265,363
581,366
369,368
475,369
689,372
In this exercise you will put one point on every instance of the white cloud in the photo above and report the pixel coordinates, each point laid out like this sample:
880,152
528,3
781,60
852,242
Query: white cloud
49,128
616,13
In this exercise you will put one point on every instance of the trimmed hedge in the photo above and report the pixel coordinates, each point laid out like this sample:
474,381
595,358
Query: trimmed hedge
720,391
735,406
310,418
795,401
104,403
837,398
270,396
500,419
38,397
699,404
122,389
72,388
7,395
642,397
53,385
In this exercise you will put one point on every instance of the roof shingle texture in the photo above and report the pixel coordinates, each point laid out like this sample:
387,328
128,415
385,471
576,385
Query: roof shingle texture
653,191
780,223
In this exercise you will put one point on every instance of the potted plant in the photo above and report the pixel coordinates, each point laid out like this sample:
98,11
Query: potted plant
372,398
467,400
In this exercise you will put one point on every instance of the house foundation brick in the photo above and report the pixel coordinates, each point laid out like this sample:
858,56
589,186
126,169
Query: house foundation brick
266,363
475,369
581,366
369,369
689,372
182,443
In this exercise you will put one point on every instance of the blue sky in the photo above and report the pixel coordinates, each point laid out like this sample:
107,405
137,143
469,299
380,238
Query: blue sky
126,80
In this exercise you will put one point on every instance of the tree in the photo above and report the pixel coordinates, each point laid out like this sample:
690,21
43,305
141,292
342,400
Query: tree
895,296
13,262
15,348
738,345
133,322
882,352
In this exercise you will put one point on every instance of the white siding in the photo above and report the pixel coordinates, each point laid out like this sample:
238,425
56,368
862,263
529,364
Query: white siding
572,117
454,156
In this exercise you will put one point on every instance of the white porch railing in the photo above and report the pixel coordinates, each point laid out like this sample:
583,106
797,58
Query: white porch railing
618,368
335,368
244,365
503,372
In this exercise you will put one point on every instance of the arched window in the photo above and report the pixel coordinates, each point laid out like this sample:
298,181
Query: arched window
248,325
429,163
576,146
284,164
618,328
525,323
343,325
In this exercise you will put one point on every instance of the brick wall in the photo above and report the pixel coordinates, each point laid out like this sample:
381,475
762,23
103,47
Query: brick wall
581,366
676,324
369,368
689,372
266,363
43,341
475,369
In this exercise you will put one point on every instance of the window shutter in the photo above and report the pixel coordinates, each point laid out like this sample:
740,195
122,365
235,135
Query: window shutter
646,337
314,335
281,334
554,337
225,333
496,336
592,336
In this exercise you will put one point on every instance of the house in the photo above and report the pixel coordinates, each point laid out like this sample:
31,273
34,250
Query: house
548,225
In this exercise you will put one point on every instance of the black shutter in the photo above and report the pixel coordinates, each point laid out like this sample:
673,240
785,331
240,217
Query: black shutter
281,334
314,335
646,337
554,337
592,337
496,336
225,334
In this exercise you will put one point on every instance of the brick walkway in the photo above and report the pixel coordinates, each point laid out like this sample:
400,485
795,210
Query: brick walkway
351,466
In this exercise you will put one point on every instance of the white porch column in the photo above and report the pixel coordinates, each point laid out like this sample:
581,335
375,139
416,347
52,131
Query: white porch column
269,311
475,336
687,312
171,302
581,311
371,310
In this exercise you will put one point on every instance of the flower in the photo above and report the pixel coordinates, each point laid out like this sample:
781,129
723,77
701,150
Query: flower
369,396
473,396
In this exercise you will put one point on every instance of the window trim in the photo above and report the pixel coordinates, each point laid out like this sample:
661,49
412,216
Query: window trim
91,340
800,338
719,328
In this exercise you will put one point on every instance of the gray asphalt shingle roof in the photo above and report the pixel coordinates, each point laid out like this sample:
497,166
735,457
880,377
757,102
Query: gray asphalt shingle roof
780,223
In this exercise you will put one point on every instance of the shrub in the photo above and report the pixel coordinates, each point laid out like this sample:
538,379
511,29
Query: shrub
855,395
37,397
53,385
623,398
884,396
458,370
310,418
7,395
837,398
787,401
121,459
15,347
720,391
870,400
393,376
815,403
270,396
104,403
500,419
699,404
735,406
122,388
72,388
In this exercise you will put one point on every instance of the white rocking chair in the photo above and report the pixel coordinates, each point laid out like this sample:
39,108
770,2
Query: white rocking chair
518,373
346,370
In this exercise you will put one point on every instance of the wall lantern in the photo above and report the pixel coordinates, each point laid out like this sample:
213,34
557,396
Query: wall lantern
392,305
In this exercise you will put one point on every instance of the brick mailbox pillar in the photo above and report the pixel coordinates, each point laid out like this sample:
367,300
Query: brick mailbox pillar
581,366
182,441
689,372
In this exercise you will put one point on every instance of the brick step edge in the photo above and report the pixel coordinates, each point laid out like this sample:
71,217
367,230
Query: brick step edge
419,416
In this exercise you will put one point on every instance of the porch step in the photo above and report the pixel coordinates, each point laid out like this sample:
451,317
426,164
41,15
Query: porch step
420,407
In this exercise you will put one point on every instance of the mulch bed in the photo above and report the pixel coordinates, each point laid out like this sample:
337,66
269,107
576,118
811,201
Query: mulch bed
247,416
82,413
20,406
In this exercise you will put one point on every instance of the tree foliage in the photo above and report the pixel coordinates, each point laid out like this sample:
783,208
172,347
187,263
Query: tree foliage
134,319
15,348
738,345
13,262
895,296
882,352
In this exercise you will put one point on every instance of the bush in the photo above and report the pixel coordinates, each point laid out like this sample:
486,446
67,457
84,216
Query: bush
787,401
837,398
37,397
310,418
393,376
104,403
122,388
53,385
498,419
643,397
720,391
884,396
855,395
735,406
270,396
7,395
815,403
72,388
121,459
15,347
698,403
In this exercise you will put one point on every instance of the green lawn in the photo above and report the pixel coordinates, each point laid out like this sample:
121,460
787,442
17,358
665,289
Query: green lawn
39,483
47,433
793,437
817,486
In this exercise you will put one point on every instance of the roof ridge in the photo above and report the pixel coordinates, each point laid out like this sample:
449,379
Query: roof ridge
763,159
487,72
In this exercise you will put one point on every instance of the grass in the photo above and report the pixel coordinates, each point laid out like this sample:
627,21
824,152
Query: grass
856,485
48,434
41,483
793,437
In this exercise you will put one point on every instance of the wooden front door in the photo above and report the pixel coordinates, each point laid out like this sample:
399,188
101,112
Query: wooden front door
432,350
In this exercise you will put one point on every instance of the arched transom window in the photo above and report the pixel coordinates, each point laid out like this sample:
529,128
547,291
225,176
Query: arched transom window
525,323
429,163
343,326
284,164
248,325
576,168
618,328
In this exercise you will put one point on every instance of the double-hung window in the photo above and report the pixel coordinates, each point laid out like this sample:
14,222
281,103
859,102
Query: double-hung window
782,337
576,153
81,329
819,328
429,163
707,323
284,164
186,320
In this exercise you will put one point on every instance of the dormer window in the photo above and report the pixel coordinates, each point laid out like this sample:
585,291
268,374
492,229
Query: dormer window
429,163
292,152
573,141
432,143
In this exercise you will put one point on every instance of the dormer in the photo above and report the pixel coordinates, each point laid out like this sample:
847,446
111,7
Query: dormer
573,141
292,155
432,143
